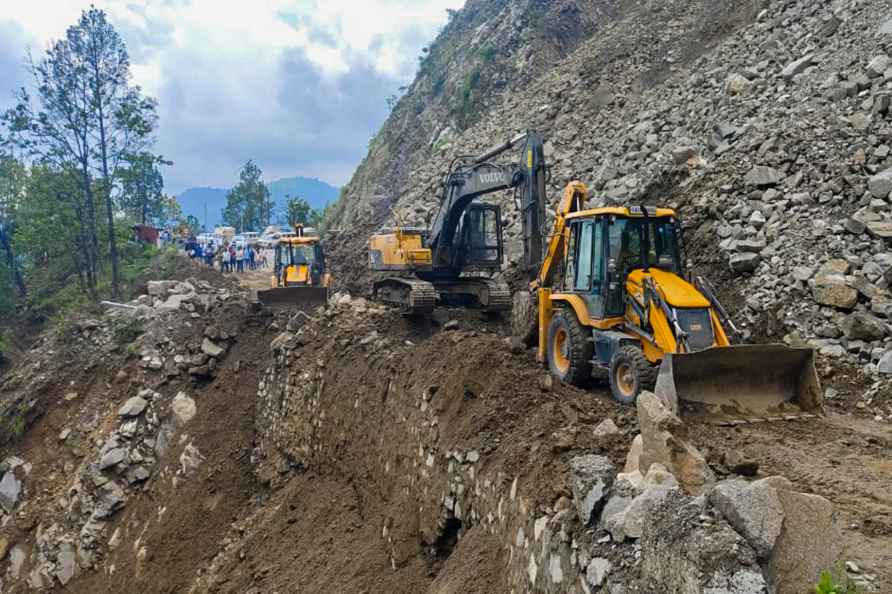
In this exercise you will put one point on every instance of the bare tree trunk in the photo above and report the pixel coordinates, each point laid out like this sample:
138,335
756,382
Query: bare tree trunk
109,209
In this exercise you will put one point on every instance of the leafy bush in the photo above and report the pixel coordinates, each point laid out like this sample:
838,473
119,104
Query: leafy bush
12,423
828,585
4,345
126,330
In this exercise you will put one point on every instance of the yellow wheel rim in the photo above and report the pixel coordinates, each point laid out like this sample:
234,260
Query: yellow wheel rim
625,379
560,350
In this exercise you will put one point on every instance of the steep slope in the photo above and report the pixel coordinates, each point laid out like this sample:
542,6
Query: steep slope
766,123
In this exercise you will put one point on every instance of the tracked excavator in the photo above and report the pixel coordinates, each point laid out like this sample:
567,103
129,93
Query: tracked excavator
611,294
453,262
300,276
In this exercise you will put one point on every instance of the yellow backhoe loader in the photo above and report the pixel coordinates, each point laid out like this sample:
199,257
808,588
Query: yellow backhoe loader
299,273
611,293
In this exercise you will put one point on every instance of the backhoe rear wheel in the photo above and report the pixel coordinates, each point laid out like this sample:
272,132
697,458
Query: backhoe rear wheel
569,349
630,374
525,317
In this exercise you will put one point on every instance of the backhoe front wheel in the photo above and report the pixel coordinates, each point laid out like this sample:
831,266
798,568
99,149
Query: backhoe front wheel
630,374
569,349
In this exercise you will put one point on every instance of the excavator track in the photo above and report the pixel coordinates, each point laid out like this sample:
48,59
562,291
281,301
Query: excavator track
481,293
500,298
411,296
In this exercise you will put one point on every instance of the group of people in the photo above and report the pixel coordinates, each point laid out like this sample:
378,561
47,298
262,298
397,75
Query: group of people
228,257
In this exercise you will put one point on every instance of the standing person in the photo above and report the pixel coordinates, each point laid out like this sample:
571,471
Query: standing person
251,263
240,259
232,260
224,258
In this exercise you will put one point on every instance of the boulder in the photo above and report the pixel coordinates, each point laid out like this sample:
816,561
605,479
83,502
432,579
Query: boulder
835,293
810,542
878,66
183,408
111,498
797,67
211,349
633,458
738,85
744,262
884,365
762,176
664,441
66,563
10,489
880,185
681,553
133,407
753,510
880,229
683,154
596,572
625,518
863,326
112,458
590,479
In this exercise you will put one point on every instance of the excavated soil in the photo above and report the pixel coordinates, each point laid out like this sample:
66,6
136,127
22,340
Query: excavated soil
239,527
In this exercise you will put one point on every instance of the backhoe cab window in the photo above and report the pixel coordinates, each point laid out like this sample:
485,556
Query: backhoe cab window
296,255
644,243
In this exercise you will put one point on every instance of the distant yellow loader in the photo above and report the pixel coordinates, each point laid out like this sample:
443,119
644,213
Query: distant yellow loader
299,275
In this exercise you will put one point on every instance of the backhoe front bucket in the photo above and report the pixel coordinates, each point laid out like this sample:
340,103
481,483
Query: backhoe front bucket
300,296
742,384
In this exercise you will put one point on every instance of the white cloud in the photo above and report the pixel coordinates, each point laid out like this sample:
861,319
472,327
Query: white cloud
219,69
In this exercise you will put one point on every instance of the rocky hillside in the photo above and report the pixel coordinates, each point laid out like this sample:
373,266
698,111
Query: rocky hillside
766,123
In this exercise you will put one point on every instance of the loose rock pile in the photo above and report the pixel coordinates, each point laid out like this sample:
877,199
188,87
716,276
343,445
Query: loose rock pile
692,534
775,143
117,440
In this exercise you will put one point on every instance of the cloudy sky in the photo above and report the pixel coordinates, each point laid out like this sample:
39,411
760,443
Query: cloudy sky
300,86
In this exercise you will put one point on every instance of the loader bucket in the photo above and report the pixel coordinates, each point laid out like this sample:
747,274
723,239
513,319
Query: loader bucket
742,384
300,296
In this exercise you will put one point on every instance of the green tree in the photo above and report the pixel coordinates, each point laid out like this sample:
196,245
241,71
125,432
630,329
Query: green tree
45,235
299,211
142,188
193,224
88,119
248,204
12,186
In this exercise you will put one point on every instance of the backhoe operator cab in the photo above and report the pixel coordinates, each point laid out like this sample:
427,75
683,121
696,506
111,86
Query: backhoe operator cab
299,262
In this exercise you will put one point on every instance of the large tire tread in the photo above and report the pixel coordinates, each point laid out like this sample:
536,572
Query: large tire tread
644,372
581,349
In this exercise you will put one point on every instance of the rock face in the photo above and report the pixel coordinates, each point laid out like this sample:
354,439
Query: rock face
664,441
729,134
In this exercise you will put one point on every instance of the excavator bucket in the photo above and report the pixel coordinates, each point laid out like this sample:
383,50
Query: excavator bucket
742,384
300,296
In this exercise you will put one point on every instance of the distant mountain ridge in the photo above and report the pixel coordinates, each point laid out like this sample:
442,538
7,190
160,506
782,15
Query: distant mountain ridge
206,204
